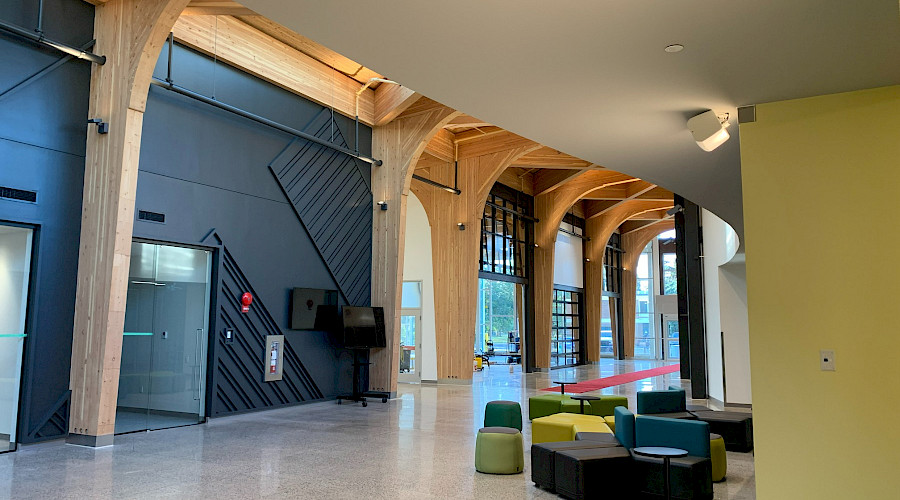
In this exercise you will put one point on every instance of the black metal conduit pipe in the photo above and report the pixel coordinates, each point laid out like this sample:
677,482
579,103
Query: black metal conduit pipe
40,23
259,119
430,182
42,40
572,233
169,66
512,211
40,74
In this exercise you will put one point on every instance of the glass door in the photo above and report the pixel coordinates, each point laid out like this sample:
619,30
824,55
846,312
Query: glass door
163,371
411,332
15,271
410,329
670,330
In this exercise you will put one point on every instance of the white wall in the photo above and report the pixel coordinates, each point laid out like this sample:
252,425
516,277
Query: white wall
568,260
417,266
725,304
733,302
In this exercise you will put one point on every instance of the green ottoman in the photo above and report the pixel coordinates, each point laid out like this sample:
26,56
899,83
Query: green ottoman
572,406
606,405
718,457
546,404
503,414
498,450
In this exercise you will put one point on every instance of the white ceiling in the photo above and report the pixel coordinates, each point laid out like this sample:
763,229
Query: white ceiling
590,78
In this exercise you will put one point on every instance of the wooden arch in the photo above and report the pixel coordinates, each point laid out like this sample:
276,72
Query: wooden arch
398,144
455,252
130,33
633,243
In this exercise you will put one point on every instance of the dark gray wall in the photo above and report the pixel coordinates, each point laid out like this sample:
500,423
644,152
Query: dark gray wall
208,171
42,142
204,168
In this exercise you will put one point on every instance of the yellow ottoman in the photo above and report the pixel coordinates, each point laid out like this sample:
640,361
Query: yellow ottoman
717,457
611,422
564,426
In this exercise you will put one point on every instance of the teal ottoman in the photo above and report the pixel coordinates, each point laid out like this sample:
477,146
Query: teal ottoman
546,404
498,450
503,414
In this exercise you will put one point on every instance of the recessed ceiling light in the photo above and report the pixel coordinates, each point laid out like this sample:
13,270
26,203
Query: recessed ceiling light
675,47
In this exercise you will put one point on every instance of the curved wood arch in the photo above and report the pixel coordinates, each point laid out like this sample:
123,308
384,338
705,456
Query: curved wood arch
633,243
455,252
599,230
550,209
130,33
398,144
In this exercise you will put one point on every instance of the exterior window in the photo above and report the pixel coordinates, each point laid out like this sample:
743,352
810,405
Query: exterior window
565,348
503,237
644,338
612,265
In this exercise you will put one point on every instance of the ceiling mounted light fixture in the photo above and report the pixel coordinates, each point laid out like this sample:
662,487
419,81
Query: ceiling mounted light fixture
709,130
675,47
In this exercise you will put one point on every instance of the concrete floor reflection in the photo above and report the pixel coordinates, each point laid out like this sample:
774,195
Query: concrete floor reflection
420,445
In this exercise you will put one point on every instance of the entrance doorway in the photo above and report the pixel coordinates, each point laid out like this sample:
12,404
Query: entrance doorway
670,337
15,272
411,332
500,321
163,370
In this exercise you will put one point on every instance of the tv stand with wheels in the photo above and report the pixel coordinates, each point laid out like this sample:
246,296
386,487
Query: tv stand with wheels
358,394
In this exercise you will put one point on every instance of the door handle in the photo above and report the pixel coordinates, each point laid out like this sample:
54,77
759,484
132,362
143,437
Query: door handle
199,357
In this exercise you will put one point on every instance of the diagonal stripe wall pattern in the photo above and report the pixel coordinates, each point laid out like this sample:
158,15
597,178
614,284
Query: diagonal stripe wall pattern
331,195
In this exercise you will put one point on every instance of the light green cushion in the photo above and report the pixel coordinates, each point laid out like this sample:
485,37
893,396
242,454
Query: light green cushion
498,450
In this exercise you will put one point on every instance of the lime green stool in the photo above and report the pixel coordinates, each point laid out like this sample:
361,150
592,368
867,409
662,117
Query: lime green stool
717,457
606,405
503,414
498,450
546,404
572,406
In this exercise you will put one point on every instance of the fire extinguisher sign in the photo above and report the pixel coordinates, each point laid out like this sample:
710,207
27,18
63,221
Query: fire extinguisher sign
272,358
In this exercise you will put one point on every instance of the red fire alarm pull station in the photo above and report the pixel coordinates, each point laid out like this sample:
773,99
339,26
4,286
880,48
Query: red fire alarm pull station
246,300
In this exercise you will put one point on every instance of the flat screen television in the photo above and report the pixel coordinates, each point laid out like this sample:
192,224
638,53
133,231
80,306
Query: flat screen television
313,309
364,327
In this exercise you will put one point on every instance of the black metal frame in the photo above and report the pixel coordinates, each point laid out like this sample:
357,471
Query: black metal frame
503,223
691,327
517,208
567,326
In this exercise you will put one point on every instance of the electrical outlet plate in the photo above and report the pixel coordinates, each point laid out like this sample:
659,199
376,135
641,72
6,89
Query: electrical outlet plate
826,359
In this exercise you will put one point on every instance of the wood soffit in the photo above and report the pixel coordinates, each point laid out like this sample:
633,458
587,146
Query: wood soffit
465,136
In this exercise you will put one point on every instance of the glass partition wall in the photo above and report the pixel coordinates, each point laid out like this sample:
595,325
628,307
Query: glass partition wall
15,272
163,370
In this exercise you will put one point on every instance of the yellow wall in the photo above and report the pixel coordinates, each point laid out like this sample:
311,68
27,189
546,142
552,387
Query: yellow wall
821,180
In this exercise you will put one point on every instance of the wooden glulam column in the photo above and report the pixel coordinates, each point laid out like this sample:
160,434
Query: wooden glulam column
455,253
398,145
633,244
130,33
600,229
550,208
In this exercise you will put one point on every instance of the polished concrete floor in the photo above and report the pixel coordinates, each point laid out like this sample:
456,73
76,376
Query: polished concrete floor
419,446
